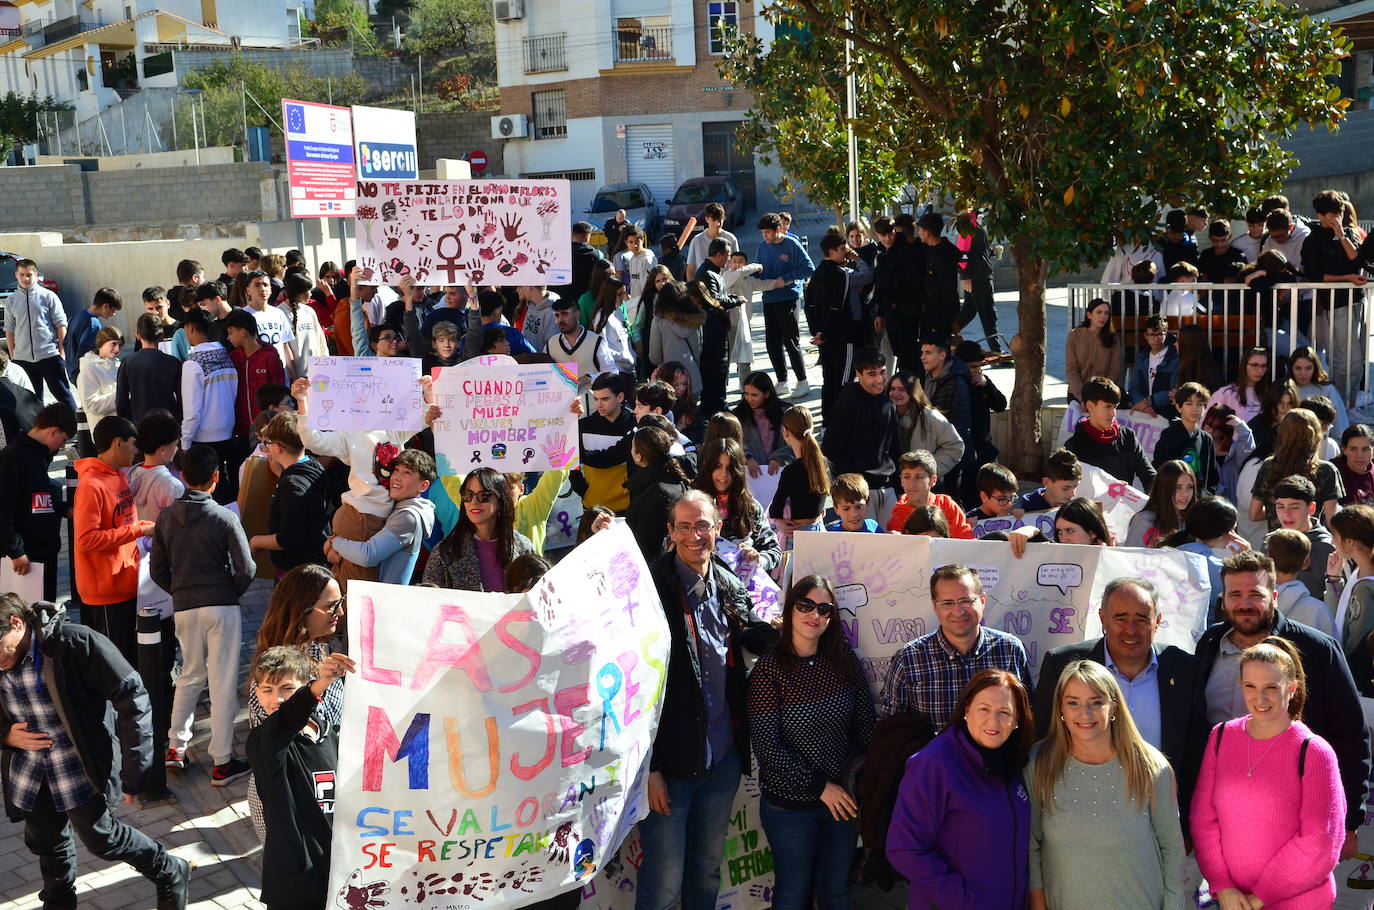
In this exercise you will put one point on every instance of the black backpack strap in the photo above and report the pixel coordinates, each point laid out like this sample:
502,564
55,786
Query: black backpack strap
1302,756
1216,748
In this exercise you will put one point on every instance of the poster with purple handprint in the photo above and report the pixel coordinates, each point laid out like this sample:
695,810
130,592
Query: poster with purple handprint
443,232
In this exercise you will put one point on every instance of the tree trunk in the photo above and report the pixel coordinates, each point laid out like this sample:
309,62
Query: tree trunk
1024,454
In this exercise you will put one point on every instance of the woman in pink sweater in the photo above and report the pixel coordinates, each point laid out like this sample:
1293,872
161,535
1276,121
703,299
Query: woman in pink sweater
1268,814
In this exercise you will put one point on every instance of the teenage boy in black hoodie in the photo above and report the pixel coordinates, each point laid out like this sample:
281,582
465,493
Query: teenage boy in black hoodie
298,524
31,508
862,432
836,314
293,763
941,313
1100,441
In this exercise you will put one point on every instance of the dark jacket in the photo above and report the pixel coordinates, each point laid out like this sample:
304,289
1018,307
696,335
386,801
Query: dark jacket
831,298
653,490
984,401
584,257
899,281
1158,391
860,433
1123,459
1198,451
1332,708
84,674
147,380
941,279
680,743
1182,708
295,779
978,257
19,409
959,834
895,739
951,393
31,506
300,515
200,555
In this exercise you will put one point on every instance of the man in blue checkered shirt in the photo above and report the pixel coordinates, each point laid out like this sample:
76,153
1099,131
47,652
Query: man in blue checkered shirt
56,681
928,674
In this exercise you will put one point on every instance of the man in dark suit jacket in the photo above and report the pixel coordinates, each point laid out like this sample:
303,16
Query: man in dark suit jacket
1162,685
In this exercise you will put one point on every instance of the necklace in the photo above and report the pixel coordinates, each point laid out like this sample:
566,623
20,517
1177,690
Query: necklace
1252,765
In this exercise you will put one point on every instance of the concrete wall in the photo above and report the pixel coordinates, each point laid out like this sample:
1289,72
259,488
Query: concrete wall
455,135
65,198
221,154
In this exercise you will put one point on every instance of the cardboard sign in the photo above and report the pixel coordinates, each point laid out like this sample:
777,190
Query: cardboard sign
365,393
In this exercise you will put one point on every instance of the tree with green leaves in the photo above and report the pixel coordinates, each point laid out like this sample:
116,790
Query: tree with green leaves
1072,123
460,29
19,116
344,22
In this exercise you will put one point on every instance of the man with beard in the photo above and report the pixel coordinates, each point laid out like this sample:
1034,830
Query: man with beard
1332,711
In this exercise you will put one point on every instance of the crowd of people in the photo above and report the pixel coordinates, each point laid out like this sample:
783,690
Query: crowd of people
978,788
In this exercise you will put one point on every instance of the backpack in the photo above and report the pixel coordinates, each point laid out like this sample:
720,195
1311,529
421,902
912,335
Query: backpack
1302,750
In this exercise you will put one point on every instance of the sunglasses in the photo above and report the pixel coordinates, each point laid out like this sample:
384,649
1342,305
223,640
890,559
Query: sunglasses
482,496
333,608
806,605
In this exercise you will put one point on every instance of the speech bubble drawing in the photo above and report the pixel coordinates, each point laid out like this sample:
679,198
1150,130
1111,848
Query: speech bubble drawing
1061,575
851,597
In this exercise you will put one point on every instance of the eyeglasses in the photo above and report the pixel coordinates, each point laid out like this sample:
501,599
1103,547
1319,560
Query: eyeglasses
392,339
806,605
481,496
333,608
701,527
1001,500
964,602
1154,334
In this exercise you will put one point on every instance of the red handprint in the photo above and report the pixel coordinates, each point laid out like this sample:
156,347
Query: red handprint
511,224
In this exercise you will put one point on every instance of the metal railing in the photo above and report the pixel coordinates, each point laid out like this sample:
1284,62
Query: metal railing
639,44
545,54
1279,317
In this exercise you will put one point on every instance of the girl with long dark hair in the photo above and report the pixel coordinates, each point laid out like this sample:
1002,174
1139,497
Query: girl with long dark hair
654,487
723,477
309,340
1093,349
474,556
760,414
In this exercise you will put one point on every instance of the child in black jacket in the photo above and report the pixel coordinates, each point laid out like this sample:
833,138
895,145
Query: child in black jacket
293,764
1100,441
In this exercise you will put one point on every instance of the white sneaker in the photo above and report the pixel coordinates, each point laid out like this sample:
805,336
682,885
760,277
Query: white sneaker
803,389
783,390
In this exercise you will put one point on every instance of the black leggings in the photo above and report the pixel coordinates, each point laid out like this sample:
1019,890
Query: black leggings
780,333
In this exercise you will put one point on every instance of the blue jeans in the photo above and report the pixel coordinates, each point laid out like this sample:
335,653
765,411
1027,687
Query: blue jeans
682,850
812,853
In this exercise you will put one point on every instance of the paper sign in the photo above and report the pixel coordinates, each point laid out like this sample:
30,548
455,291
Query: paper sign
28,586
1119,500
765,486
764,592
365,393
319,159
507,232
497,746
1145,427
496,413
150,596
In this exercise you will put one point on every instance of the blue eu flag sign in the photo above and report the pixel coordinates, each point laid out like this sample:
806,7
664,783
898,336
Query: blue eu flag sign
295,118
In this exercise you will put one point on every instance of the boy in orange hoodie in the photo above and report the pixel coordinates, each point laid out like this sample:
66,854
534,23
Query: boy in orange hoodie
107,532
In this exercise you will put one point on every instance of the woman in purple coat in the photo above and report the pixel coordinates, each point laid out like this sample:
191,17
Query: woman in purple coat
960,831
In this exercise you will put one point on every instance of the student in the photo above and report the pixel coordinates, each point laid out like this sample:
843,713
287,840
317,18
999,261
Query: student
274,326
201,557
489,305
1296,453
1306,370
799,501
210,298
96,385
1185,440
862,431
36,332
304,323
298,521
653,488
573,343
605,448
395,549
786,263
1210,532
1058,485
539,324
920,425
985,399
849,493
836,313
293,759
153,486
606,321
918,477
1174,492
1325,413
209,388
1291,552
760,412
926,521
996,497
148,379
86,324
1100,441
1093,349
31,505
1080,521
1246,395
1357,454
256,365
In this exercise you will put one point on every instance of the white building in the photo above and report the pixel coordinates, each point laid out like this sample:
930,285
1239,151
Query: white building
605,91
91,53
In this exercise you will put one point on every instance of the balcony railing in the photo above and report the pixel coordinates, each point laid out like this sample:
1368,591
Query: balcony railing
642,44
545,54
41,34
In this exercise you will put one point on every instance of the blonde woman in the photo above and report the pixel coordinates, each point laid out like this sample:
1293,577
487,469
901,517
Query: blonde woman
1101,798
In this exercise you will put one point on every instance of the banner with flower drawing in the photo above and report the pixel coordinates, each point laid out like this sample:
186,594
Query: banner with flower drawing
439,232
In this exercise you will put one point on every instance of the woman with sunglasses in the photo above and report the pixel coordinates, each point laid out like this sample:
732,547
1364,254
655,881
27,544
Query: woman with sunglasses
304,612
474,556
810,720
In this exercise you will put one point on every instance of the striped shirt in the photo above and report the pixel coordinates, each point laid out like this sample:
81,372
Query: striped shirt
27,700
928,674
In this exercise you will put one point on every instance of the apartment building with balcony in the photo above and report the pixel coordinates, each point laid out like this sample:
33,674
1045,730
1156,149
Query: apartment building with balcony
90,54
605,91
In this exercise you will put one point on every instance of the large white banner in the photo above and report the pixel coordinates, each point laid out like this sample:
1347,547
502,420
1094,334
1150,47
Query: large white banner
365,393
494,748
496,413
502,232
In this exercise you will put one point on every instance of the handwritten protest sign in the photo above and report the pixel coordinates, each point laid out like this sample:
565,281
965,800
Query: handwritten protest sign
1145,427
494,748
1119,500
496,413
365,393
763,591
506,232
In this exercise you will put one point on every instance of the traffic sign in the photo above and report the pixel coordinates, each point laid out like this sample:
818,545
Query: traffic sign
319,159
478,159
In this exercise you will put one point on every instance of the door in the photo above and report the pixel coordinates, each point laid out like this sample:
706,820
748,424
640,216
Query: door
649,154
724,158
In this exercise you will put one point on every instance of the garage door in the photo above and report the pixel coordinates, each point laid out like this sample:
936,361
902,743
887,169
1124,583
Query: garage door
649,150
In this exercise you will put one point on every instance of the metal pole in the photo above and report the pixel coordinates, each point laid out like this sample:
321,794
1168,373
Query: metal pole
330,81
195,131
851,112
174,123
300,237
123,129
420,81
153,669
57,124
243,111
343,241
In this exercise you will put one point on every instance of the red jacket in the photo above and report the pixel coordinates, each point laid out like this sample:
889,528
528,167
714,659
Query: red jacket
254,372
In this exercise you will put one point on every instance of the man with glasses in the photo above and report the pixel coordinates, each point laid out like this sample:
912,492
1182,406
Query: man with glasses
702,744
1153,377
927,675
205,594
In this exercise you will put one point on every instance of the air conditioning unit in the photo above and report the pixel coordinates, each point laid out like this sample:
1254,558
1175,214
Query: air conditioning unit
506,10
510,126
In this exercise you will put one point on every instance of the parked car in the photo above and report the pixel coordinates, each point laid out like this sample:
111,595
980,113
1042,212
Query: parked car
9,263
641,209
692,197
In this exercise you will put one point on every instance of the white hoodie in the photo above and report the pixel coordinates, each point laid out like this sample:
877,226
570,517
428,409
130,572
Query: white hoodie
95,386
